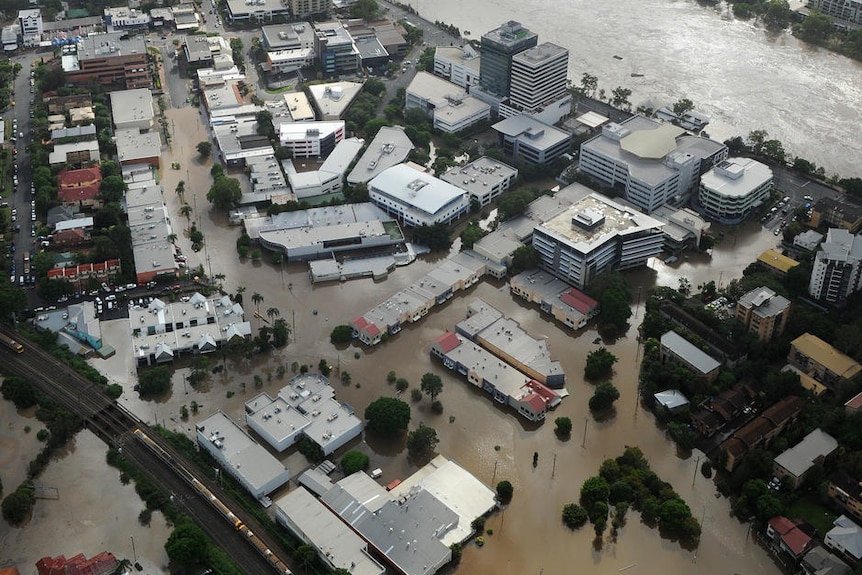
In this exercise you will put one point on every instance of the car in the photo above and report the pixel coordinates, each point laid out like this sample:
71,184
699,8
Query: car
118,289
776,232
111,297
808,198
131,286
32,233
63,299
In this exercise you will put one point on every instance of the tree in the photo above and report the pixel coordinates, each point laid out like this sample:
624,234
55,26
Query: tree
364,9
204,149
600,363
280,332
525,258
112,188
17,505
683,107
155,381
187,544
272,313
594,489
816,27
589,84
341,334
620,97
604,396
505,491
305,555
186,212
436,237
374,87
574,516
672,516
422,441
257,299
564,426
224,193
432,385
471,235
387,415
353,461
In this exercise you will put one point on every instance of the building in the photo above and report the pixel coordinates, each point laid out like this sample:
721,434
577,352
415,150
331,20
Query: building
485,179
457,64
135,147
332,100
336,50
728,352
763,313
539,85
786,536
337,545
761,430
505,384
390,147
306,407
845,538
307,8
529,140
671,399
683,230
797,461
151,229
109,59
506,339
31,26
596,235
449,106
133,109
322,232
844,10
80,188
296,36
566,304
75,154
819,360
327,181
85,277
417,198
126,18
102,564
498,47
241,146
837,269
676,349
776,263
734,189
846,492
653,163
843,212
257,10
819,561
311,139
241,456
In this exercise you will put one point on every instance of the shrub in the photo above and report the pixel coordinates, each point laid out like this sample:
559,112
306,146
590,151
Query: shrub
564,426
391,377
415,395
42,435
437,407
145,516
505,491
478,524
604,396
341,334
354,461
574,516
401,384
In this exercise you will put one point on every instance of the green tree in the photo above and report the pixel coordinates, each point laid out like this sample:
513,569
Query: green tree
374,87
599,364
673,514
471,234
17,505
353,461
620,98
204,148
564,426
574,516
112,188
224,193
436,236
305,555
589,84
604,396
682,107
365,9
187,544
341,334
387,415
525,258
815,28
422,441
594,489
432,385
280,332
505,491
154,381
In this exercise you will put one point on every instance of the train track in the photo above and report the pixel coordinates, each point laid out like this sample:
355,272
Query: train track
115,426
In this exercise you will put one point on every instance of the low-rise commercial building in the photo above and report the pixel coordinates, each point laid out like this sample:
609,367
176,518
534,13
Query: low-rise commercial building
327,181
819,360
390,147
564,303
310,139
332,100
683,229
31,26
417,198
457,64
506,339
240,145
150,227
485,179
505,384
734,189
258,11
113,58
449,106
133,109
529,140
135,147
763,312
240,456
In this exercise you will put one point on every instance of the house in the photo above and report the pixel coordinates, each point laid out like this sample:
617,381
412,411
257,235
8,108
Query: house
819,561
797,461
671,399
101,564
80,188
788,537
845,538
818,359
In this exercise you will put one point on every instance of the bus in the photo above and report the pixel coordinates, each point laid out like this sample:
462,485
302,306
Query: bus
11,343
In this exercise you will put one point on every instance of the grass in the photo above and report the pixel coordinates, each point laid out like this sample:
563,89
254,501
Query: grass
814,513
280,90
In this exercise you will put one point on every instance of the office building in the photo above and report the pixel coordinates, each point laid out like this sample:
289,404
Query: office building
311,139
498,47
332,100
133,109
417,198
256,10
485,179
539,82
596,235
336,50
837,270
327,181
652,163
459,65
530,140
109,59
734,189
844,10
763,312
390,147
307,8
449,106
31,27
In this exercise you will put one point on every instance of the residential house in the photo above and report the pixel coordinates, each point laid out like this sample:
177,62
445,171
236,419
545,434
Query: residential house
846,492
819,561
788,537
676,349
80,188
845,538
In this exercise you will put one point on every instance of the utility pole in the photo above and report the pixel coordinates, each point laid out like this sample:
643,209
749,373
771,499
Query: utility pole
554,467
694,475
134,553
494,476
584,442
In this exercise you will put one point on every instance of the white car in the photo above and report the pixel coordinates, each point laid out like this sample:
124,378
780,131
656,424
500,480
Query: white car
111,297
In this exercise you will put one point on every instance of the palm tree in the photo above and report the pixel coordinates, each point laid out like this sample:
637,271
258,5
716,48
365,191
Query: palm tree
172,238
181,188
218,278
273,313
186,211
239,291
257,299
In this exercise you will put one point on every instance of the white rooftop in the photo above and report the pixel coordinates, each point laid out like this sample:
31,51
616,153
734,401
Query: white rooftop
132,105
416,189
803,456
389,147
688,351
736,177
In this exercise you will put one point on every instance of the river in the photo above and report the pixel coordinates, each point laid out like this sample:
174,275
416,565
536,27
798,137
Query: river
741,76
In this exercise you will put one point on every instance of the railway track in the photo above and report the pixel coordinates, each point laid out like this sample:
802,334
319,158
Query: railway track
115,426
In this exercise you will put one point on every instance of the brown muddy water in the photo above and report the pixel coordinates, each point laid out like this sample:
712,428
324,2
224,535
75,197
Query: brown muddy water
490,442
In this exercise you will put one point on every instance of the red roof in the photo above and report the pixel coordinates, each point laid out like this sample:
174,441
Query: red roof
855,402
543,391
794,537
371,329
360,322
448,341
578,300
536,401
101,564
75,185
70,236
781,524
85,269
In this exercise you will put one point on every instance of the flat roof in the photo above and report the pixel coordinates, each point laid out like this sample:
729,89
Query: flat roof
370,47
539,54
480,175
736,177
61,151
245,456
259,7
109,45
532,132
389,147
132,106
680,346
592,119
416,189
435,89
777,260
316,523
821,352
298,106
280,36
299,131
764,302
466,57
618,220
841,246
134,145
334,98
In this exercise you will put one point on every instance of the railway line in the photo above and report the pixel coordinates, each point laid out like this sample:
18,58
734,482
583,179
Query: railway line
249,547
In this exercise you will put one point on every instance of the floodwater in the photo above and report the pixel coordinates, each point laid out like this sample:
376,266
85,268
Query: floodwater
741,76
491,442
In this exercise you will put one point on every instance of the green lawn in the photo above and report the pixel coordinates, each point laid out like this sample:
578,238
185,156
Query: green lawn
814,513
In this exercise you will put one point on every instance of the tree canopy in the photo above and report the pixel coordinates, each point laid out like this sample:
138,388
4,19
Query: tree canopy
187,544
155,381
600,363
204,149
224,193
387,415
422,441
436,237
432,385
353,461
604,396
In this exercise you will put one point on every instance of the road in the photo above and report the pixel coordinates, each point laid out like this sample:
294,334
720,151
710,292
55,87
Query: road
800,190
